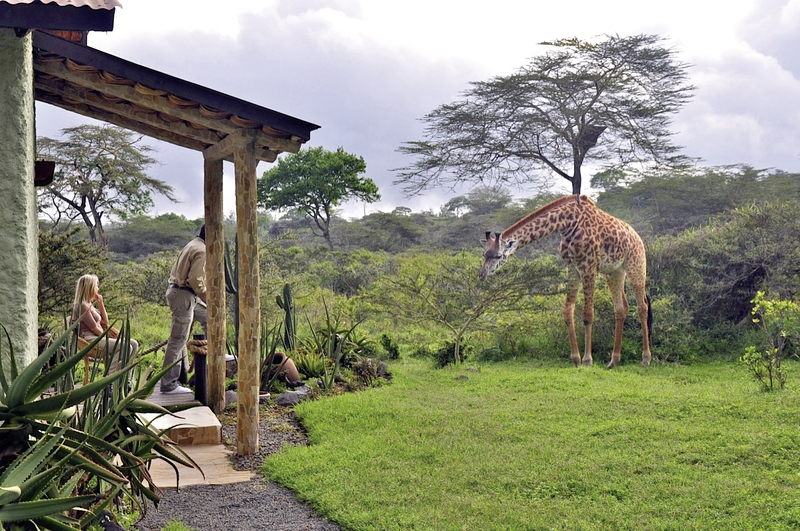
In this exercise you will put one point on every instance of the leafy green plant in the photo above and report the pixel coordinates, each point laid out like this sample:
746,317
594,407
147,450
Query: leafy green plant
390,346
779,322
76,446
330,341
309,364
447,355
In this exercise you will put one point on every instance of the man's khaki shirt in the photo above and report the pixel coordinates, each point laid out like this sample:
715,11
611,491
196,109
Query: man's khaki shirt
189,269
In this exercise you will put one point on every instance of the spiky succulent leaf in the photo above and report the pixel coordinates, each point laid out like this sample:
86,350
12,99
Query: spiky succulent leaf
23,511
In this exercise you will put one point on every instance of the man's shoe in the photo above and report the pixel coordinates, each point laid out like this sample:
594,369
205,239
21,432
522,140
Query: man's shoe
177,390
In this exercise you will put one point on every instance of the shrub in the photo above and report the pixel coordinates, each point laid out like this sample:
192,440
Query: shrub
779,322
446,355
390,346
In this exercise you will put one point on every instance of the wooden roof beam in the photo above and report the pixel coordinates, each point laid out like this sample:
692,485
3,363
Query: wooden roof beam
92,80
121,121
88,97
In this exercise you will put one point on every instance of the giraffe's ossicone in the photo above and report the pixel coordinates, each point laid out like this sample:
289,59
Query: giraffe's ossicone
592,242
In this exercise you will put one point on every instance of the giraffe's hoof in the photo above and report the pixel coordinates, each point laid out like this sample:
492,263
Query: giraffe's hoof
645,363
587,363
611,365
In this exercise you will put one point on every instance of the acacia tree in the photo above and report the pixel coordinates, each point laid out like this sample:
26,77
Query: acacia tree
608,102
100,174
314,181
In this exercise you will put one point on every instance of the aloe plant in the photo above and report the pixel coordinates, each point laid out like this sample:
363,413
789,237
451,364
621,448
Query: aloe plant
330,342
55,437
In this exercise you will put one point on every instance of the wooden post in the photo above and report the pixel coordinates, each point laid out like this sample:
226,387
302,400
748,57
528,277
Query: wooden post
249,298
215,283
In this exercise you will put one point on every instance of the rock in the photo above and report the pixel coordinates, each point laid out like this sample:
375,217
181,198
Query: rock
230,368
230,398
290,398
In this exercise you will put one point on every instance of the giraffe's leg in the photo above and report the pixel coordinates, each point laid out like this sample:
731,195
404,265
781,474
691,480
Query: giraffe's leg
643,309
616,284
569,316
588,318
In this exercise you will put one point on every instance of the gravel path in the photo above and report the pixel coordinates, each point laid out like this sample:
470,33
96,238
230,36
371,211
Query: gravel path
255,505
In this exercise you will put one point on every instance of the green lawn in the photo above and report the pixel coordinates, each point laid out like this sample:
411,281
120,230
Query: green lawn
525,446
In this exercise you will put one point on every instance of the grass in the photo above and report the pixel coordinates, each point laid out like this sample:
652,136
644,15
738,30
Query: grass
526,446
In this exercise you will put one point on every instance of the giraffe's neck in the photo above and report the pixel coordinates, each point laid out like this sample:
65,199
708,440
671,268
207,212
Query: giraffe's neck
559,216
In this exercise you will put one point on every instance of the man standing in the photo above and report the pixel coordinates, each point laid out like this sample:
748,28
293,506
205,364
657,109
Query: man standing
186,297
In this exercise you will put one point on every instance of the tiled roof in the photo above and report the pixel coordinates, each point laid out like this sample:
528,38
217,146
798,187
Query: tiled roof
94,4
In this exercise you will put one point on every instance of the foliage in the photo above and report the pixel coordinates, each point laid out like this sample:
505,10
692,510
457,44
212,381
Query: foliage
669,202
443,290
448,355
716,270
606,102
330,341
309,364
145,281
76,447
315,181
100,172
779,322
62,260
390,346
142,236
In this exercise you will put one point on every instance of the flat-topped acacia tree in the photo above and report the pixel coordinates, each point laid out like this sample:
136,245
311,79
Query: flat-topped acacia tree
608,102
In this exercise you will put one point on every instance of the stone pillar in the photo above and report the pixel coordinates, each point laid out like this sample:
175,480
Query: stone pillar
249,299
215,282
19,232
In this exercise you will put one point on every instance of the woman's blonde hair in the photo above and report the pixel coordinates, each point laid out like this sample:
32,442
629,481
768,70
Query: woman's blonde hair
88,286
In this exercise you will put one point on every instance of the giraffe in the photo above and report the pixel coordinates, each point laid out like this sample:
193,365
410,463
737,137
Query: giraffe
592,242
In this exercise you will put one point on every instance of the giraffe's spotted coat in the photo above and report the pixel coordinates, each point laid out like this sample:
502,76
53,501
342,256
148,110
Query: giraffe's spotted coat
592,242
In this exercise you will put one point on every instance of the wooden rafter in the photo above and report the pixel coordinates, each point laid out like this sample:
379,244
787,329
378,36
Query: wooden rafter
97,88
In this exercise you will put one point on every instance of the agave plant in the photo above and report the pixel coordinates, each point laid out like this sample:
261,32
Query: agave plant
330,341
54,438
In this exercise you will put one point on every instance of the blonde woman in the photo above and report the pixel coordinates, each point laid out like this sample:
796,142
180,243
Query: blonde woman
90,310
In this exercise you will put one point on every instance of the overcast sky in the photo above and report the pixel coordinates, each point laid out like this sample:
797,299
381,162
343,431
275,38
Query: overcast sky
367,70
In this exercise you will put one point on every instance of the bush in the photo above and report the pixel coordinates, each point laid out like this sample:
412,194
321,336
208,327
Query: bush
446,355
779,322
390,346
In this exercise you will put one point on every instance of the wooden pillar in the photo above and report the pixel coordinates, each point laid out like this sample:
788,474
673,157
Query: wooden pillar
19,236
215,283
249,299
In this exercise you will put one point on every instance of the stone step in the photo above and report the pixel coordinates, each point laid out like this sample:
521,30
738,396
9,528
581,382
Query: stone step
214,460
194,426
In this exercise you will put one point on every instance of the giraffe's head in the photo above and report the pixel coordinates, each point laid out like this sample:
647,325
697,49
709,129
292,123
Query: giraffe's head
495,253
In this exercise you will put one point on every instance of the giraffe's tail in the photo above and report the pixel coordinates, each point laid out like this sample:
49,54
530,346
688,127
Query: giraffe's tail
649,319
